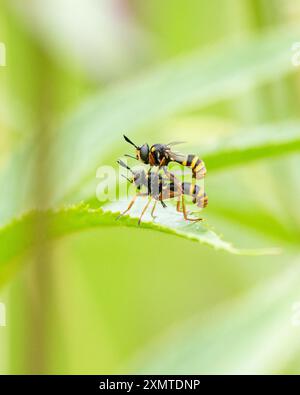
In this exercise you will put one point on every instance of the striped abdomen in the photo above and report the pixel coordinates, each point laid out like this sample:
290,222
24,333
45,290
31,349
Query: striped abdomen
199,197
196,164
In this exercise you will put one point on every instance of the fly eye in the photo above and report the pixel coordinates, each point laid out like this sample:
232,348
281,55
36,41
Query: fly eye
144,153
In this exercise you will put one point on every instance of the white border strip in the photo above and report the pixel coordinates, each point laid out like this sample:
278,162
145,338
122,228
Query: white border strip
2,55
2,314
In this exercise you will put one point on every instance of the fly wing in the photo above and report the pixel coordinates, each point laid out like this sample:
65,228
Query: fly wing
176,156
175,143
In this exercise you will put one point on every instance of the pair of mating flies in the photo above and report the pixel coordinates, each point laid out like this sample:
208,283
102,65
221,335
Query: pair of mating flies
161,188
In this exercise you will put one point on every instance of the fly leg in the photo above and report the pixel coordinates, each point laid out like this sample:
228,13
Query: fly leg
131,204
185,213
145,209
171,176
153,210
178,208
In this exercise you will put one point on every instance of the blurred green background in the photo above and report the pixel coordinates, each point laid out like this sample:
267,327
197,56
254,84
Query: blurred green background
126,300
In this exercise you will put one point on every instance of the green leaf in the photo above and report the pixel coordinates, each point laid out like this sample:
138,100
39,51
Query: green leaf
42,226
254,334
170,221
249,145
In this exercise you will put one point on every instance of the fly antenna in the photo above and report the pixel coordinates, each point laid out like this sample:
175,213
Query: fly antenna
121,163
129,141
128,179
130,156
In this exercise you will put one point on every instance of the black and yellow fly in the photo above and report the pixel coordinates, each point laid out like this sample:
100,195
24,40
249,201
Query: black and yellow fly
160,189
161,155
